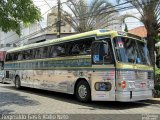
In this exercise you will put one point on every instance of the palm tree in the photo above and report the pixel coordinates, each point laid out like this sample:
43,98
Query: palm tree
85,17
150,17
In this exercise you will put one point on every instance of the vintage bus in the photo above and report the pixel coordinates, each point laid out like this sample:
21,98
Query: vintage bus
99,65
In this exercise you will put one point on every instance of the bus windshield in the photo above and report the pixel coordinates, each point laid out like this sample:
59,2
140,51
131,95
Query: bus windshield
131,51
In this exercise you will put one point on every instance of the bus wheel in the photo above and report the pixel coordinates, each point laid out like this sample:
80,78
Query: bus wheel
17,82
83,92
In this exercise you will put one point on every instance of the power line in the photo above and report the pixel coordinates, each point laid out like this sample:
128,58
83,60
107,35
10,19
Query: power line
102,9
59,19
25,28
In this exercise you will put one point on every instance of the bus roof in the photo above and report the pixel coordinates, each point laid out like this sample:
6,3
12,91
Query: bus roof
99,32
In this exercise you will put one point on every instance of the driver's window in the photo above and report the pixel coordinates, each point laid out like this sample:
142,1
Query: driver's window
102,53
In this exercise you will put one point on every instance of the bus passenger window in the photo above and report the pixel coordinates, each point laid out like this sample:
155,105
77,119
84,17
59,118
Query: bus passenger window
15,56
9,57
52,52
45,52
20,56
32,54
26,54
60,50
37,53
75,50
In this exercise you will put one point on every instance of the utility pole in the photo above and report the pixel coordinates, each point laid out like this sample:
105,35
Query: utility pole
59,19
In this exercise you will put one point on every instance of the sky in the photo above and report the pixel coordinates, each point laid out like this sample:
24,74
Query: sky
46,5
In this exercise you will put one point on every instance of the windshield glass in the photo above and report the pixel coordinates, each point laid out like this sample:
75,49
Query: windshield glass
131,51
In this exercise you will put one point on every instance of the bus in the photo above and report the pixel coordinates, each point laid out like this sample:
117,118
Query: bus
99,65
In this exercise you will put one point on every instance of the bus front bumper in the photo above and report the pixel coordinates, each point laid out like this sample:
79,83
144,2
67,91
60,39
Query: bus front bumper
127,96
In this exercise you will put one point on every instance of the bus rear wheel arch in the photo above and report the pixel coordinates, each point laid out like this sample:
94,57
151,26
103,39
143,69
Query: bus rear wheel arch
82,90
17,82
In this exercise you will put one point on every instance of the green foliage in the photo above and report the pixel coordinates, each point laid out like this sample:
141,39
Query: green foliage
157,87
149,16
157,38
157,71
86,17
157,90
157,74
15,12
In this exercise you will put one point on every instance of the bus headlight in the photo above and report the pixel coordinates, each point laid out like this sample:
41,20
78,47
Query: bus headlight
103,86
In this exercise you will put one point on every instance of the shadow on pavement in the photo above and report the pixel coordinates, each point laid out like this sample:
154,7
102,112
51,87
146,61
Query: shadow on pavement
5,111
10,98
154,101
71,99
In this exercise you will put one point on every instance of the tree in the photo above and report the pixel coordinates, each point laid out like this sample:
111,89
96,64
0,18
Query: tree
85,17
157,39
150,17
126,28
15,12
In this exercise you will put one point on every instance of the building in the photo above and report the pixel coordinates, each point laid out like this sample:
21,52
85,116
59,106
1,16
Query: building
11,39
7,40
140,31
52,21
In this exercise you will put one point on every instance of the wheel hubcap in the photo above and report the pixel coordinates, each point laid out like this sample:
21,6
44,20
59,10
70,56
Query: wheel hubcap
82,91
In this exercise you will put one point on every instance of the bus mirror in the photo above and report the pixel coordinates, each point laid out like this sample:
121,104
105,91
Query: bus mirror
88,51
105,46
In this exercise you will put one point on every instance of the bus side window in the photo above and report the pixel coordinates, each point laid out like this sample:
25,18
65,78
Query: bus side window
85,47
52,52
9,57
60,50
32,54
15,56
75,49
45,52
26,54
80,47
20,56
37,53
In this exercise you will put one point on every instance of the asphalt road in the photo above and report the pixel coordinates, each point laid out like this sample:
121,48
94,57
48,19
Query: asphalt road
34,101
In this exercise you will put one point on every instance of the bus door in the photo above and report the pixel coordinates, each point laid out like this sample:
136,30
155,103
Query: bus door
103,77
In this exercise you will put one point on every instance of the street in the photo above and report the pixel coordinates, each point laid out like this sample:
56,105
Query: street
34,101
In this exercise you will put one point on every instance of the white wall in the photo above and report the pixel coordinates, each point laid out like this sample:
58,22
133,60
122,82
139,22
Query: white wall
13,38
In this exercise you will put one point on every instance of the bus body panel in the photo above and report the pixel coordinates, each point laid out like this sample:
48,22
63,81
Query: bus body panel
60,74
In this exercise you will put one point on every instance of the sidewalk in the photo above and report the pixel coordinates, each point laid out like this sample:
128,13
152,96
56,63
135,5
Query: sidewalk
153,101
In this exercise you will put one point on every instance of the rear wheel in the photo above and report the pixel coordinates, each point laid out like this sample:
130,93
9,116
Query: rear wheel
17,82
83,92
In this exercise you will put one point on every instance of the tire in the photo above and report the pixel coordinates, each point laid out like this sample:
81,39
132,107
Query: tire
17,83
83,91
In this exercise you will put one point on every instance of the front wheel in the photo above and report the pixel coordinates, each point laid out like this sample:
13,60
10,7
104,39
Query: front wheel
83,92
17,82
